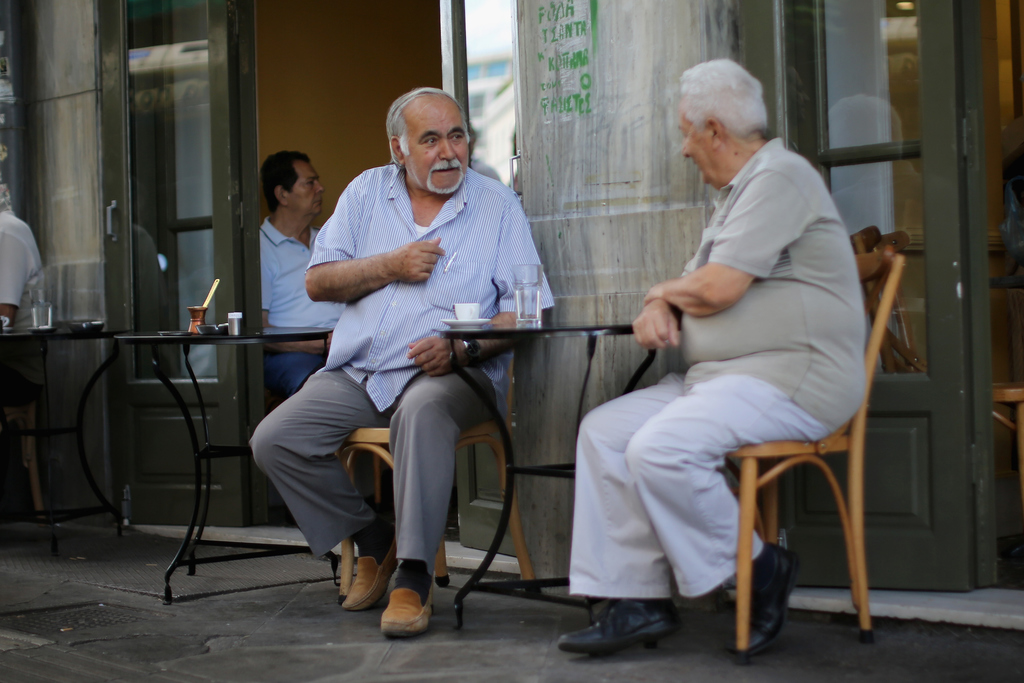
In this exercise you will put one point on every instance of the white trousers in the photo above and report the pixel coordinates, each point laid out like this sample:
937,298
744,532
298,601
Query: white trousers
650,498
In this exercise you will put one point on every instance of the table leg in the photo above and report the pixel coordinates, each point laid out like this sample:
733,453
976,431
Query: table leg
209,463
80,433
43,348
506,505
186,542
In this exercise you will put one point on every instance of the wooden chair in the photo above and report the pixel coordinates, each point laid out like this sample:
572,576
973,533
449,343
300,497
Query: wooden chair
1012,394
25,417
376,442
899,348
882,272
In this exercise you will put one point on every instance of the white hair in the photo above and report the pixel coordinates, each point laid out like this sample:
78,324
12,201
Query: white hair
723,90
396,125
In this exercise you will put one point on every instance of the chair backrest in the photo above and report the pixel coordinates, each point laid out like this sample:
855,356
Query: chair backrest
899,348
880,273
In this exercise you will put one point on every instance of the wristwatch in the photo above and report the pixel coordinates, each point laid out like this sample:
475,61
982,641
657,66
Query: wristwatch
472,348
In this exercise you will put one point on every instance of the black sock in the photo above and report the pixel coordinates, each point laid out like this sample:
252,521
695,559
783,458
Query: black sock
374,539
764,567
413,574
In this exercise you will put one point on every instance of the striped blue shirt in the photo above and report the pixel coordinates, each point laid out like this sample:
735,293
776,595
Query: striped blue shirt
484,233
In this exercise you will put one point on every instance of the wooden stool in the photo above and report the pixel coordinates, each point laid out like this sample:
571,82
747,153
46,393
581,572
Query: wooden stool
375,442
25,417
1012,394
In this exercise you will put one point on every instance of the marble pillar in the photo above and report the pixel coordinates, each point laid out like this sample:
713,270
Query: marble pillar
613,205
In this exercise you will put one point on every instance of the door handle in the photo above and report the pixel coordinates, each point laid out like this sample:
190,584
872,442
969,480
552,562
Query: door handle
512,173
110,220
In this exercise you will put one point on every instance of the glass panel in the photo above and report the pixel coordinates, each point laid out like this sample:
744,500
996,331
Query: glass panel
497,69
889,195
170,171
871,61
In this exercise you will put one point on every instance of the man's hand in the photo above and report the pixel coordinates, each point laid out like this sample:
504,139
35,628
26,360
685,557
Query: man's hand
415,261
431,354
657,326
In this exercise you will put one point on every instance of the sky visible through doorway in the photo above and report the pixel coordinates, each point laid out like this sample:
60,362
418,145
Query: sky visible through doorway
488,26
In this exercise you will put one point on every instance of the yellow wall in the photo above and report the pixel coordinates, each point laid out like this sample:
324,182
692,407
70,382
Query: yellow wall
326,73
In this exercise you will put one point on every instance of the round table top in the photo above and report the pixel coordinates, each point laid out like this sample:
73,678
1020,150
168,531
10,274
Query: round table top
266,335
57,333
516,333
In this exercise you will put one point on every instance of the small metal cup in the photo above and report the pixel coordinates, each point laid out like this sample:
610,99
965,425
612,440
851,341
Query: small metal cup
198,315
235,323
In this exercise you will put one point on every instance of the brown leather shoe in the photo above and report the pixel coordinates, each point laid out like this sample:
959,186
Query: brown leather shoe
371,582
405,616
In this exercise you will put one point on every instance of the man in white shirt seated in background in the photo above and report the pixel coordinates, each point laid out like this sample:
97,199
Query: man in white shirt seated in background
294,195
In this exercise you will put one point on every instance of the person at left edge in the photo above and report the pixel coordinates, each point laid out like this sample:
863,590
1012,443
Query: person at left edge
21,363
294,196
406,242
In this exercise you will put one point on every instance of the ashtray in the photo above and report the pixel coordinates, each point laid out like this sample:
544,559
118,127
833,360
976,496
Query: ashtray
80,326
213,329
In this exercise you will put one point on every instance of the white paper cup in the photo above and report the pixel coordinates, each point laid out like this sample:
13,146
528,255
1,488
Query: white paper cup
467,311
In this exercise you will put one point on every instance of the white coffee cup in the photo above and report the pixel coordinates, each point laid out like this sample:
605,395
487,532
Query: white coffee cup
467,311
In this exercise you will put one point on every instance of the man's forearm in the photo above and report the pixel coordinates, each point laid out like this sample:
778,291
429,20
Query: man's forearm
314,346
707,290
346,281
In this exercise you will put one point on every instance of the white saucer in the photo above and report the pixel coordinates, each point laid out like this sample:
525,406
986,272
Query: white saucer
472,322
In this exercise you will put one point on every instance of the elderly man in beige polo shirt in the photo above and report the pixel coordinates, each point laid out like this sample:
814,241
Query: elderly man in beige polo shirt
768,315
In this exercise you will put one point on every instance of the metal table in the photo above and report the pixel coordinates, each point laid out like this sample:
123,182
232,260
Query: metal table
207,451
531,588
55,516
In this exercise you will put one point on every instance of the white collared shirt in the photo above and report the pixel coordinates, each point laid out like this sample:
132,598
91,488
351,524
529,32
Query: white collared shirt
283,263
483,232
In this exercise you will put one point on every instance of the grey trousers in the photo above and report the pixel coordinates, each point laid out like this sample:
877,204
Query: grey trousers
295,444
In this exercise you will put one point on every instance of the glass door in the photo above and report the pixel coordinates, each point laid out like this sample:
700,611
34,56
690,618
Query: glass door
874,93
171,87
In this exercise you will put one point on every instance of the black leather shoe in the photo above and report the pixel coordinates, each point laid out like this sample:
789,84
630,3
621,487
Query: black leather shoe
770,604
623,623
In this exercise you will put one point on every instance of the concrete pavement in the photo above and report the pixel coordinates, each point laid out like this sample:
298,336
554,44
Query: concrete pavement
55,628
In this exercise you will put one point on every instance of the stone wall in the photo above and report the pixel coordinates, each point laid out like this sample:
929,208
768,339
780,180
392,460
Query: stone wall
62,97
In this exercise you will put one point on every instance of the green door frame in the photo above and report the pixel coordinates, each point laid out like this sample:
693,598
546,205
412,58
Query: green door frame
165,497
956,394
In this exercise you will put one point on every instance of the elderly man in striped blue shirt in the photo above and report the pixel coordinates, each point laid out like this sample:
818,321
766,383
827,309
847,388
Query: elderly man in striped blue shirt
406,243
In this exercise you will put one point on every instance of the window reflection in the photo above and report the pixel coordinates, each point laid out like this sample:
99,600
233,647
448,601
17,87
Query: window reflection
872,72
170,171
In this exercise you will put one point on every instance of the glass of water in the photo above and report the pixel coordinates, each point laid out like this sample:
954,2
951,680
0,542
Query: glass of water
42,308
528,279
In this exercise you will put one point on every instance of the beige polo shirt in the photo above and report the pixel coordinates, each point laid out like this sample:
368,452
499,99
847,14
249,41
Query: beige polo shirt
801,325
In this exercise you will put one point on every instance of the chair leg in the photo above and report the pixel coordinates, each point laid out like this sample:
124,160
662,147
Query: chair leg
1020,450
441,577
348,559
744,556
770,502
377,497
859,563
515,522
515,527
28,455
